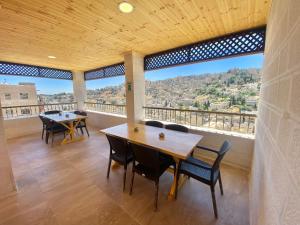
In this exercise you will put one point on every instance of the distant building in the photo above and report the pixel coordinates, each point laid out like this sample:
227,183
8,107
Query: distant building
18,95
252,101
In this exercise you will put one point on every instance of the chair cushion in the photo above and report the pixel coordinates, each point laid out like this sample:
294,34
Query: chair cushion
120,158
197,172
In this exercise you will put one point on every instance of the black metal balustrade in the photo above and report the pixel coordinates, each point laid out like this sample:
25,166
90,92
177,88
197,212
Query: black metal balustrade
10,112
107,108
236,122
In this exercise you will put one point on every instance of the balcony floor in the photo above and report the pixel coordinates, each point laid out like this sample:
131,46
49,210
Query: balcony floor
67,185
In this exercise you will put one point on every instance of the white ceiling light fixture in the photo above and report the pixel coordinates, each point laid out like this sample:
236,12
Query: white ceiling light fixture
125,7
51,57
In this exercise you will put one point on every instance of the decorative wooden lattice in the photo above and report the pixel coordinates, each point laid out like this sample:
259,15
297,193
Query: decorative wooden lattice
34,71
241,43
104,72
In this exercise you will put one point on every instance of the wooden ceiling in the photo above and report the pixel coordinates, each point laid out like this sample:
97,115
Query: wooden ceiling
85,34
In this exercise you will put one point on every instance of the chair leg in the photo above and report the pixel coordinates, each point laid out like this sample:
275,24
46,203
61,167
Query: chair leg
124,177
220,184
43,133
52,140
81,130
87,131
47,137
176,181
212,189
131,185
108,169
156,195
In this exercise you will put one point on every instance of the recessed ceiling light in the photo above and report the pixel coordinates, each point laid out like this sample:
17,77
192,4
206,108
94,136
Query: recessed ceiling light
125,7
51,57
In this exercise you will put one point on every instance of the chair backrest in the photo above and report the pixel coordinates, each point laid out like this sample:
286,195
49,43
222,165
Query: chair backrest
82,113
224,148
154,123
177,127
118,145
145,156
46,122
52,112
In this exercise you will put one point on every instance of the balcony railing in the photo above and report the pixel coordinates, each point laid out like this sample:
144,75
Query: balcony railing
236,122
107,108
10,112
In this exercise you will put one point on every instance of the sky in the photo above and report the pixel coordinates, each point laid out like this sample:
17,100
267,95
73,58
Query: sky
52,86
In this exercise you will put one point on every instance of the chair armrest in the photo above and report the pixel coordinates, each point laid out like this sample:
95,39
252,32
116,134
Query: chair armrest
201,166
207,149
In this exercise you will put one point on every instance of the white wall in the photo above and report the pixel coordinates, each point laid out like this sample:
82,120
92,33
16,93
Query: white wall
7,183
240,154
99,120
22,126
275,176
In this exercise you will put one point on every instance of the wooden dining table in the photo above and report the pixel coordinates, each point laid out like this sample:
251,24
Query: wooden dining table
70,121
177,144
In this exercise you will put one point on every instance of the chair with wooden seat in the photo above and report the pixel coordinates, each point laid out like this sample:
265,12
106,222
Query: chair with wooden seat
204,172
119,152
150,164
82,124
177,127
154,123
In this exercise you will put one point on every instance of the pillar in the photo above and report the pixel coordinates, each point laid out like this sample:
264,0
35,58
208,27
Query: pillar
275,181
79,88
7,184
135,86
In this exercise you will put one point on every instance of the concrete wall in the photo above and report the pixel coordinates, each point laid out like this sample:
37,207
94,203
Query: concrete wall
79,88
22,126
99,120
275,176
7,183
240,154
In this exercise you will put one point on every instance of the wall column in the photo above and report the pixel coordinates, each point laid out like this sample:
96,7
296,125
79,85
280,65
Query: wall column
7,184
79,88
275,180
135,86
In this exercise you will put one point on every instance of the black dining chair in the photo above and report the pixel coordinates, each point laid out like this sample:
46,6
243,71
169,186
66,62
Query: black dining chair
204,172
119,152
154,123
177,127
44,125
52,128
150,164
82,124
52,112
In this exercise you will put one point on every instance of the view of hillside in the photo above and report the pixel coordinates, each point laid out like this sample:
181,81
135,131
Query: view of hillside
236,90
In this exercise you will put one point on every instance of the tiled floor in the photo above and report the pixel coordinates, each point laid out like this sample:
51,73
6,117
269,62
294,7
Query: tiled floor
67,185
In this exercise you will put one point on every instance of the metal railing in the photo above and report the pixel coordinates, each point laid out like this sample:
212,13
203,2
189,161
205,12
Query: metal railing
107,108
10,112
236,122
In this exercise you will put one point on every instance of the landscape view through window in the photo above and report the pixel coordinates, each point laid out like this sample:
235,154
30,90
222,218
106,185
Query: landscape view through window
229,85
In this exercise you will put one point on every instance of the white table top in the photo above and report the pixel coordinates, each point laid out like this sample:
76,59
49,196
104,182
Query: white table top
64,117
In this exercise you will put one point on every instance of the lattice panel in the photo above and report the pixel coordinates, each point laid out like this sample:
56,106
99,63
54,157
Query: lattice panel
34,71
246,42
104,72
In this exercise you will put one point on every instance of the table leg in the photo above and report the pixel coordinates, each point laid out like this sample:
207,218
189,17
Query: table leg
181,181
71,133
115,165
